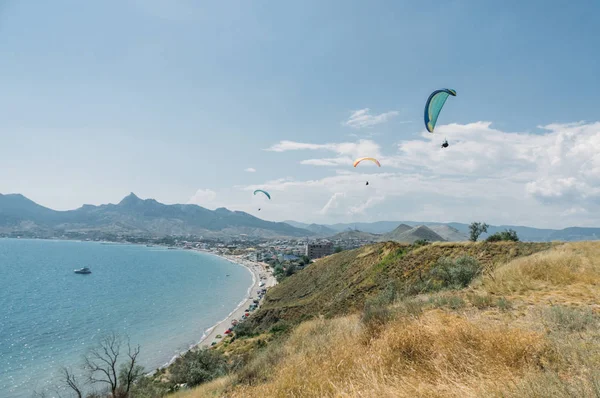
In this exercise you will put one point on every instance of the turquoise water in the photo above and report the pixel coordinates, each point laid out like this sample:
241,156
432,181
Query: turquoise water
162,299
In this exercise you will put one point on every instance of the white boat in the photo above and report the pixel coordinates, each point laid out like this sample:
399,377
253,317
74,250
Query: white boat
84,270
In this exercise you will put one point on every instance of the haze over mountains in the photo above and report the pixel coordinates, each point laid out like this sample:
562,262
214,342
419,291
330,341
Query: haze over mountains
135,216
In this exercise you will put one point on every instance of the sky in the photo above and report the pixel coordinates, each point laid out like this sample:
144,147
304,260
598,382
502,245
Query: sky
203,102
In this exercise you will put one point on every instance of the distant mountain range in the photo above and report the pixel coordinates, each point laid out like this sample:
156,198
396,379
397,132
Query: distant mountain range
404,233
134,216
454,231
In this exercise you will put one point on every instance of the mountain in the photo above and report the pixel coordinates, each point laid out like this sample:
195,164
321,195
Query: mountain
448,233
401,234
355,235
460,231
136,216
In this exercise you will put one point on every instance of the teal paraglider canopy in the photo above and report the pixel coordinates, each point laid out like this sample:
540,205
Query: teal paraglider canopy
264,192
434,105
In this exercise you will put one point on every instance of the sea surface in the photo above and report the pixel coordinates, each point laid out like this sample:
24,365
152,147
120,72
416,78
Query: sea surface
162,299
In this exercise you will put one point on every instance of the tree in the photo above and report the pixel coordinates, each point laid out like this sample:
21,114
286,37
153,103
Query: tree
102,365
476,229
338,249
305,259
68,378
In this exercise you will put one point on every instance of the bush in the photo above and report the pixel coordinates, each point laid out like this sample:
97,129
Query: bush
504,304
457,274
569,319
243,329
421,242
196,367
377,312
338,249
147,388
510,235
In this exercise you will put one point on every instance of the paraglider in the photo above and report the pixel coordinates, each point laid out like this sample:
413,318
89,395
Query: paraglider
434,105
357,161
263,192
367,183
445,144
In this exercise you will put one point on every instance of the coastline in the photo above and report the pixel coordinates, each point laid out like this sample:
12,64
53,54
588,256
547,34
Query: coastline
257,270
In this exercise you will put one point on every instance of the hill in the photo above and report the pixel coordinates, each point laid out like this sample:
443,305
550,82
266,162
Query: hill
340,284
526,328
135,216
411,235
355,235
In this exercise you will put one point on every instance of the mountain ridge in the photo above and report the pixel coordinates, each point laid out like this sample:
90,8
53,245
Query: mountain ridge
136,216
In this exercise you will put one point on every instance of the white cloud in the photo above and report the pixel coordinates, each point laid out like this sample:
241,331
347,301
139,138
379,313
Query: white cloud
203,197
250,170
363,118
546,178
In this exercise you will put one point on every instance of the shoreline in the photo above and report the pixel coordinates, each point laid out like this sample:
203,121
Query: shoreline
257,270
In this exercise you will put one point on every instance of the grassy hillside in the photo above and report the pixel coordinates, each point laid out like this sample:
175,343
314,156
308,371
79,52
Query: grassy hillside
528,328
355,234
340,284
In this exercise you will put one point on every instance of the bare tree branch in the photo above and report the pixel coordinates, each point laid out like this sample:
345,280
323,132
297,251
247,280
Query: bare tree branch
101,362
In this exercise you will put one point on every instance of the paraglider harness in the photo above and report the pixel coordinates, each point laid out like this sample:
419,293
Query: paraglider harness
445,144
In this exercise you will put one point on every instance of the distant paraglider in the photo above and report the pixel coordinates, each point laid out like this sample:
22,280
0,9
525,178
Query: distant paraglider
357,161
445,144
367,183
263,192
434,106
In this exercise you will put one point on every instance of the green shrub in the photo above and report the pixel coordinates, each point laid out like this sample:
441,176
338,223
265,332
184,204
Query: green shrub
509,235
421,242
504,304
457,274
196,367
145,387
377,310
243,329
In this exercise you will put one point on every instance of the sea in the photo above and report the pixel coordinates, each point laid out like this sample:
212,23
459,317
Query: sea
163,300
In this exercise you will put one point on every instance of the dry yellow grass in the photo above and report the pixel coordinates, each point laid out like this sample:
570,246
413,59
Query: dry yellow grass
531,349
572,264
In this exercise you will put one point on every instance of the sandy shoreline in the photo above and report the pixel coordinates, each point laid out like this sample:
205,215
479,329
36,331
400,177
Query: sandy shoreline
257,270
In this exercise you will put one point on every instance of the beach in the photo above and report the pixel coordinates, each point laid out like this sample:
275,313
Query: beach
258,271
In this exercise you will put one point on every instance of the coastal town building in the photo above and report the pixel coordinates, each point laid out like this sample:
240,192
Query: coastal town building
318,250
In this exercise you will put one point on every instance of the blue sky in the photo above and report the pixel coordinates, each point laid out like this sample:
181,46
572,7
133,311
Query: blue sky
174,100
